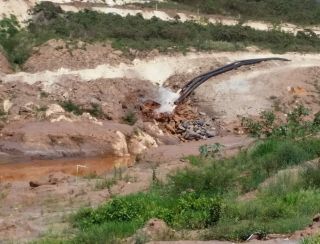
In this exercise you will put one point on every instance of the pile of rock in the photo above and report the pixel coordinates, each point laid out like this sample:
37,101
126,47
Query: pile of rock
185,122
196,129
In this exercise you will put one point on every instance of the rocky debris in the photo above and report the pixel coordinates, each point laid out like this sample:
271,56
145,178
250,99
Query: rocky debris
60,118
54,109
152,128
196,129
29,109
89,117
185,122
140,142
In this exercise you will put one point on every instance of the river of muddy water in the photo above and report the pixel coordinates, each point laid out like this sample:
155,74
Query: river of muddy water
36,169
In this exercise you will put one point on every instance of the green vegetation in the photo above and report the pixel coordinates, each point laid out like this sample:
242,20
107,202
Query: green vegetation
296,124
95,110
294,11
311,240
138,33
205,196
130,118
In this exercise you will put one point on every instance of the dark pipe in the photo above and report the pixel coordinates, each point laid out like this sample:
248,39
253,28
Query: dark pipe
197,81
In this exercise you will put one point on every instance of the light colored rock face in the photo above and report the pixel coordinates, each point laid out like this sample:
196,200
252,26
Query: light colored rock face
54,109
119,145
140,142
152,129
60,118
7,104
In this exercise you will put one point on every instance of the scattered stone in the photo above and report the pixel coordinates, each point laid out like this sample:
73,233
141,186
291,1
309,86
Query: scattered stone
54,109
61,118
141,141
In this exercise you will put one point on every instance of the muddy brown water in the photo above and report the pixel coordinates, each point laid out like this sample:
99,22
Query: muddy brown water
37,169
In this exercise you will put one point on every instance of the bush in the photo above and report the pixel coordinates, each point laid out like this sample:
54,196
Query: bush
311,176
130,118
71,107
295,125
188,211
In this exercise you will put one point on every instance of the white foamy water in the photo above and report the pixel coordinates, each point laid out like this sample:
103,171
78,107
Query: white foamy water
166,99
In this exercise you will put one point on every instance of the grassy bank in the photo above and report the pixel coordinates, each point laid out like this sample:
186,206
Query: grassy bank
294,11
205,196
267,188
138,33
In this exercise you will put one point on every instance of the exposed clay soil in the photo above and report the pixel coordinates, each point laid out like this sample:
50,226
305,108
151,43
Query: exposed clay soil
56,54
5,66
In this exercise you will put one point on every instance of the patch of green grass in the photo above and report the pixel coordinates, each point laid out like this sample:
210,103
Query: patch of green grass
311,240
95,111
108,232
296,125
130,118
71,107
188,211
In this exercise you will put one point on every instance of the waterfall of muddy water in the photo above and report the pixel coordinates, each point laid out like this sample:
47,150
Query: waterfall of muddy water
166,99
37,169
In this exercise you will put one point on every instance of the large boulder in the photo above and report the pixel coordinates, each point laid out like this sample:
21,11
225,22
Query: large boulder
54,109
65,138
140,142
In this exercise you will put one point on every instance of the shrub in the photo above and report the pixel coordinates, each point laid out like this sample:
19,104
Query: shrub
71,107
130,118
311,176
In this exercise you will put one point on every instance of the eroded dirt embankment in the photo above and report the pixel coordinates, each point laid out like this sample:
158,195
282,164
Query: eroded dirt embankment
113,87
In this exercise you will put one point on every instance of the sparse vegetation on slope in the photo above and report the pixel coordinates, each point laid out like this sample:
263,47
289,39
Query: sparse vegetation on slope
295,11
138,33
